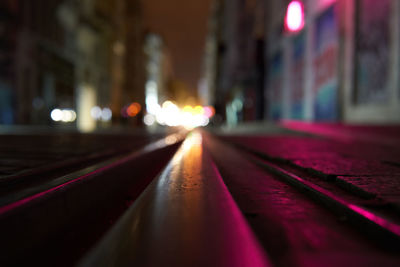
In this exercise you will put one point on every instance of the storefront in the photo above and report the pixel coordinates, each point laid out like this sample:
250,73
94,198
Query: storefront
334,61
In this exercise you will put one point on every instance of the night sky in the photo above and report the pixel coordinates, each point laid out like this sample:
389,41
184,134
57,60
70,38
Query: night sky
183,25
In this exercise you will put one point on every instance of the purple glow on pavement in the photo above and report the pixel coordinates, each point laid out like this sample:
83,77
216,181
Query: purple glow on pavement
169,140
329,196
388,135
251,248
394,228
37,196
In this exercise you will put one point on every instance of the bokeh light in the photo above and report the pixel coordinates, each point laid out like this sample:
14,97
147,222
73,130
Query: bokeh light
189,117
149,119
64,115
106,114
95,112
294,20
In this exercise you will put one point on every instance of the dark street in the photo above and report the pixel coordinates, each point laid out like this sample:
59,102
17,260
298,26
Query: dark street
199,133
252,196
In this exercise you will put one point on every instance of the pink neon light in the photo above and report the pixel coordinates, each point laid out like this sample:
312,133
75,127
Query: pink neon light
294,20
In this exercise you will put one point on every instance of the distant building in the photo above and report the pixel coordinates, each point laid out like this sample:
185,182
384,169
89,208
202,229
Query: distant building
155,83
108,37
8,28
235,59
135,58
126,65
41,70
69,54
91,29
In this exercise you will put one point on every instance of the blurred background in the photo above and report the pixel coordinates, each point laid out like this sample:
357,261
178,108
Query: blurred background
93,64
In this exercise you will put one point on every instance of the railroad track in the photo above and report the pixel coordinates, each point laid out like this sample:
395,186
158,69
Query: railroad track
201,202
355,216
364,210
54,222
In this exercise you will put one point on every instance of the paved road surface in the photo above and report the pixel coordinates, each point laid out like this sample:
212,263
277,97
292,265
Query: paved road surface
257,195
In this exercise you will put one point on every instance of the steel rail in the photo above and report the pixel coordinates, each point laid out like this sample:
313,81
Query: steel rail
381,227
36,223
184,217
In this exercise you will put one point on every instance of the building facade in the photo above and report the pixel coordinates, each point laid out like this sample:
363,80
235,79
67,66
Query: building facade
234,63
8,26
69,54
341,65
